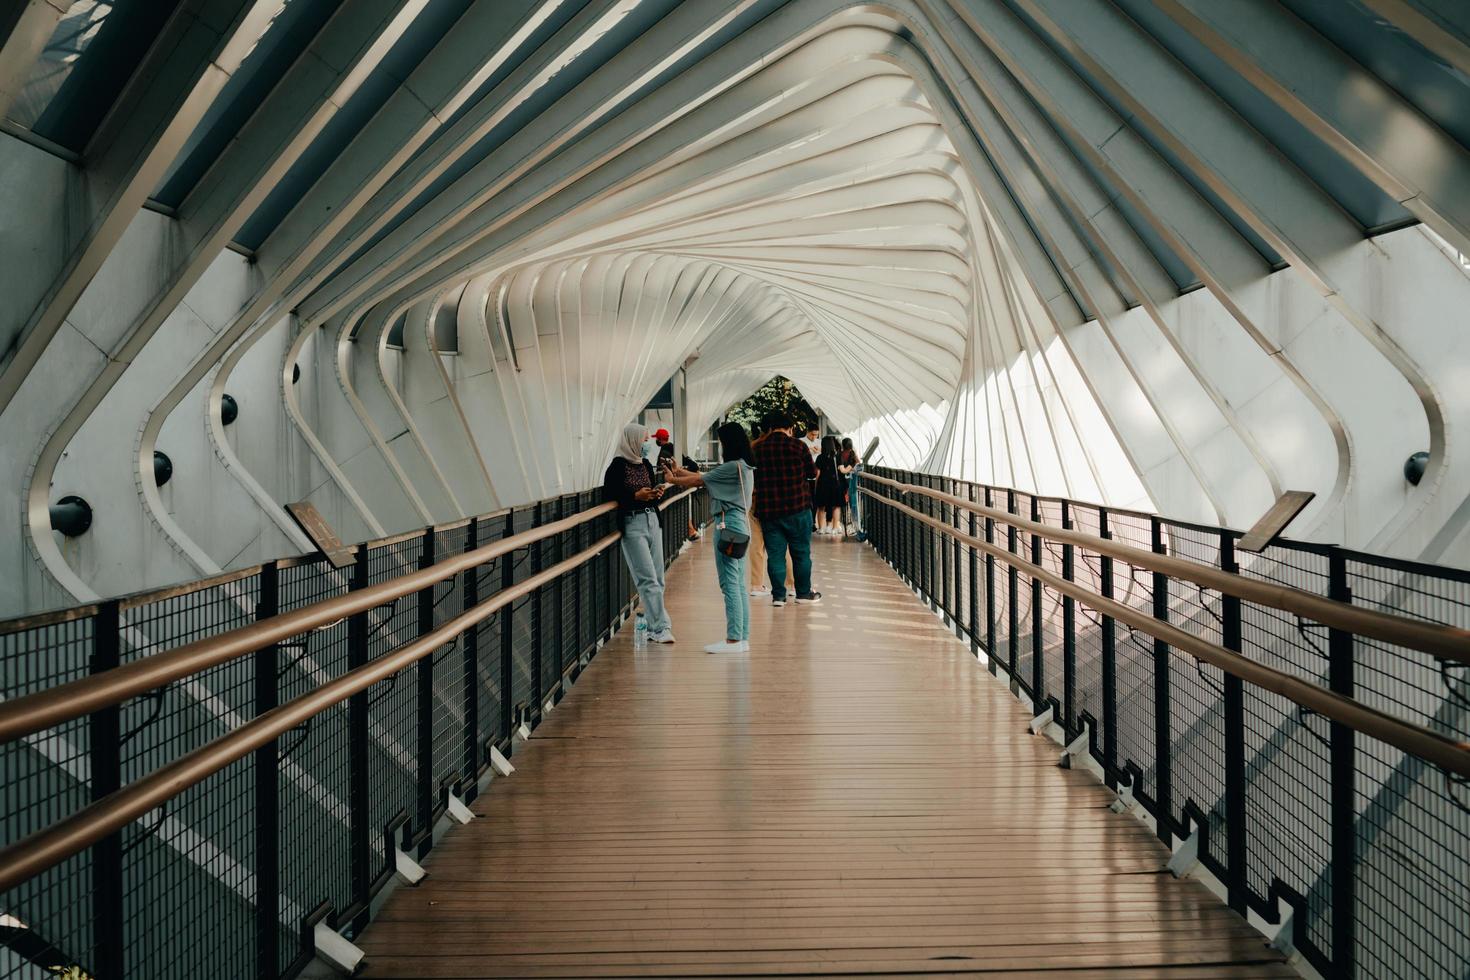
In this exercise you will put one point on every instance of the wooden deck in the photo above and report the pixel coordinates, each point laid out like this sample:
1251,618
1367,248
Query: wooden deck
856,796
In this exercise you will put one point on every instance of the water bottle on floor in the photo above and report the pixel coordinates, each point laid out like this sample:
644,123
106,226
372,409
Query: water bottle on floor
640,634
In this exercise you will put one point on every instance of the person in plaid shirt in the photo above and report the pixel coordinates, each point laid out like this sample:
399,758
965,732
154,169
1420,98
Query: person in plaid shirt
784,472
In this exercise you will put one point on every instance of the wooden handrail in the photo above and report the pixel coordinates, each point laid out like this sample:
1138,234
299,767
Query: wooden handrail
46,848
1448,642
1448,754
35,712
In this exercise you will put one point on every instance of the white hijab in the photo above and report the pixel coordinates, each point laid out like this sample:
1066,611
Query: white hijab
631,446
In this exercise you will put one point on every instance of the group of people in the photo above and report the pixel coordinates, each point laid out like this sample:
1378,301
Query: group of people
835,461
765,498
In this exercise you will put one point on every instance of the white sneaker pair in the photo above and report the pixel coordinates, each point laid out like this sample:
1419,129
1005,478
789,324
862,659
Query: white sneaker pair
760,591
729,646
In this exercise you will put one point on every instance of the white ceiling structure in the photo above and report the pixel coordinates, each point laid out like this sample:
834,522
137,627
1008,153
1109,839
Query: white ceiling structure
414,260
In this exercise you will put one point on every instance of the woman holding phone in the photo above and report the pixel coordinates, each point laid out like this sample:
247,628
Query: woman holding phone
730,487
629,482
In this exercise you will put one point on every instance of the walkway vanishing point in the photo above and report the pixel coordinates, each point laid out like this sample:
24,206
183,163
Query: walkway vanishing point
857,796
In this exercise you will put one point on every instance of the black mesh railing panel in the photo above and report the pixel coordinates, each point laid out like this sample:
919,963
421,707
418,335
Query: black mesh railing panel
189,900
47,777
313,778
1413,831
392,705
446,665
1288,807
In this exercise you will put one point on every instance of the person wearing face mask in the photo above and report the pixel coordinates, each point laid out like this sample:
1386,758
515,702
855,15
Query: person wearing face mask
630,483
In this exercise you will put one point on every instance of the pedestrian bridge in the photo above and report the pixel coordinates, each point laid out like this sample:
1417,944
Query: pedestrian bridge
1019,736
319,320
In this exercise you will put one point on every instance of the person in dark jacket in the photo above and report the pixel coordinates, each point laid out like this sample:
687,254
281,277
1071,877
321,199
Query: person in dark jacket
784,473
630,483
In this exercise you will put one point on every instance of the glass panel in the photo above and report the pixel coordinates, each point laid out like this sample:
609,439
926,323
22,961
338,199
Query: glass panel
96,47
74,33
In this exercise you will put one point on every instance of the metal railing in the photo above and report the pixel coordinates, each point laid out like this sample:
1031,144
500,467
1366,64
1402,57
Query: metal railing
1303,714
195,778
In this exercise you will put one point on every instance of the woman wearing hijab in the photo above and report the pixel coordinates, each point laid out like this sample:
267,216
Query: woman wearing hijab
730,486
629,483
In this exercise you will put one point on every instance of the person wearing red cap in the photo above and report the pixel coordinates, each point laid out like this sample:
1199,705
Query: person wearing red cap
665,460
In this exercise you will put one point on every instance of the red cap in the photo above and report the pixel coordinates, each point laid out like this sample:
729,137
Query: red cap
661,434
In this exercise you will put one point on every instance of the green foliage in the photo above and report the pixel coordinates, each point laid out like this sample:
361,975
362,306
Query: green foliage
776,395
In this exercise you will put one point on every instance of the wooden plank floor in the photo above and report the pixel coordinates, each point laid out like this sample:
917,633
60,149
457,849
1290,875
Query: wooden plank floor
856,796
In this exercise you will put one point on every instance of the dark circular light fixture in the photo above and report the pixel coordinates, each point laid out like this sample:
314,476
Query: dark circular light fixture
228,410
1415,466
71,515
163,468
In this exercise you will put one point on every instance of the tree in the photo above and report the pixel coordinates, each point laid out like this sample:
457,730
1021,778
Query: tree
776,395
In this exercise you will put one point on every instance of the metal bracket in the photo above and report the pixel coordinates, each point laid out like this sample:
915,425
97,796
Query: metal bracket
337,952
1187,856
1039,723
1077,748
546,708
409,870
1284,940
500,763
1124,802
457,811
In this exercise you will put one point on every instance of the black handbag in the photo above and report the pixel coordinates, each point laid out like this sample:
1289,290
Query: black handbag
733,544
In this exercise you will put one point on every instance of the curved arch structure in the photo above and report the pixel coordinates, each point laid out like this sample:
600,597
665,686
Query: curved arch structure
1154,253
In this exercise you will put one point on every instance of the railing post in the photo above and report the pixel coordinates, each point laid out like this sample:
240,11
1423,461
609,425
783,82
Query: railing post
975,574
1234,703
943,559
507,640
931,549
1344,767
956,555
537,637
469,666
1069,633
266,765
424,675
561,555
910,544
359,792
104,733
1038,631
1013,604
1162,781
990,650
578,630
1107,640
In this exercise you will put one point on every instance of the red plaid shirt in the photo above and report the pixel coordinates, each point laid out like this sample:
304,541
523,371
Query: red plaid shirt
783,474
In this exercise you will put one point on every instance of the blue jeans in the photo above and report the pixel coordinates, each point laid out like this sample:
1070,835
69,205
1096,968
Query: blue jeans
643,550
793,531
731,572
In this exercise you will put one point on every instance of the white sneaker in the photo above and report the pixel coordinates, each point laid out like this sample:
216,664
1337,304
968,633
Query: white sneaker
663,636
761,591
744,646
726,646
